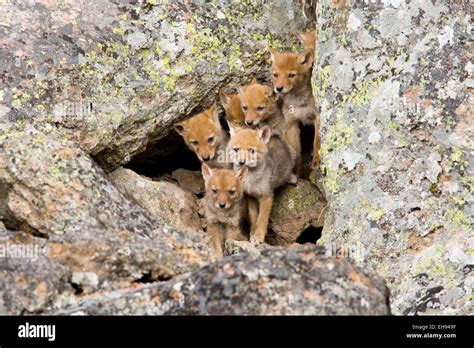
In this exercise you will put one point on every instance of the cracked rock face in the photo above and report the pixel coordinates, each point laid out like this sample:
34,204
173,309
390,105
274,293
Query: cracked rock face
394,81
165,201
280,281
52,190
113,77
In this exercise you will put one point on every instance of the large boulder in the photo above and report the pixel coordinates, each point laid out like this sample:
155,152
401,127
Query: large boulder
165,201
52,190
277,282
113,76
393,80
295,208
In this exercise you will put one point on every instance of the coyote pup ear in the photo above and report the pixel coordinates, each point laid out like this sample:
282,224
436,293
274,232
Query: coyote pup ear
225,99
306,58
254,81
233,128
265,134
271,93
308,39
273,53
242,173
212,112
180,128
206,172
240,91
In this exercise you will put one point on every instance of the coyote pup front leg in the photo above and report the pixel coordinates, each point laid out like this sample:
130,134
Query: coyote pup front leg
264,209
215,233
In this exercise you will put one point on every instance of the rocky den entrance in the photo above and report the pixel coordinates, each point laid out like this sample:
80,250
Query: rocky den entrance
90,223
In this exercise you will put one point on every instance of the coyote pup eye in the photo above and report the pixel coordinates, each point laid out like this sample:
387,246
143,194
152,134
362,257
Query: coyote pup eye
245,108
260,108
194,142
210,140
275,75
291,75
252,151
236,149
231,192
214,190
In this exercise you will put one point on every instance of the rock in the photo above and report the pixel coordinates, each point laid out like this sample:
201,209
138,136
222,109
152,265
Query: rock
85,281
295,208
189,180
279,282
116,78
29,279
52,190
235,247
165,201
407,198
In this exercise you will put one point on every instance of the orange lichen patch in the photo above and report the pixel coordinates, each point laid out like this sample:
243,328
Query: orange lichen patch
308,256
359,278
67,153
416,244
77,257
22,238
21,281
413,95
445,181
189,254
342,14
425,103
41,291
262,282
229,270
311,295
176,295
156,299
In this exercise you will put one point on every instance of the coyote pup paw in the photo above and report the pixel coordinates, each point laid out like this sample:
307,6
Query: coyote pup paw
255,240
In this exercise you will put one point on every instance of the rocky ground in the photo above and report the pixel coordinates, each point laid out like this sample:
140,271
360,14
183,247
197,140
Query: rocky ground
87,100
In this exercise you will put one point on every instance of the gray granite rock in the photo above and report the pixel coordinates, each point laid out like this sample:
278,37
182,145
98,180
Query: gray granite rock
406,197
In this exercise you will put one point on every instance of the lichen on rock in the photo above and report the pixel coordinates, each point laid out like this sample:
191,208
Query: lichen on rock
393,87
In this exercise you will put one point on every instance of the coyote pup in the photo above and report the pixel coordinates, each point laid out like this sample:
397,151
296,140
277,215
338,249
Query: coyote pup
224,205
233,109
270,163
261,107
291,74
203,134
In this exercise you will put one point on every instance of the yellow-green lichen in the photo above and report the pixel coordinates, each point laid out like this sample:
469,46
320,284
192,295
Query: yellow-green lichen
320,84
294,201
376,213
435,263
456,219
456,160
337,137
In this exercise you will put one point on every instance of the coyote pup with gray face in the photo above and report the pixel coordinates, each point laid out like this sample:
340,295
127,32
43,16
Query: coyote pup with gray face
224,205
270,161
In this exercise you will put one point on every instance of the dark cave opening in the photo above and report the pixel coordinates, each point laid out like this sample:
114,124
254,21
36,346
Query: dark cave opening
171,153
310,235
155,162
